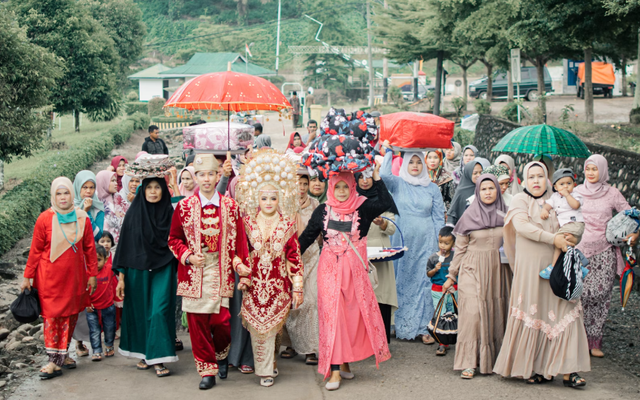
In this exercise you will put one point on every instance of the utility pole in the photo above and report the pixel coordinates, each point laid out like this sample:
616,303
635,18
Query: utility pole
372,91
385,69
278,38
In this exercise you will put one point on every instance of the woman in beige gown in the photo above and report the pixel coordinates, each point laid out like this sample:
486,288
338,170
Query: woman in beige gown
482,294
302,324
545,334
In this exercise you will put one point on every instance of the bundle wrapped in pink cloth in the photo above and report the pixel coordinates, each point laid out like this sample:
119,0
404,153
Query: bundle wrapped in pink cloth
218,136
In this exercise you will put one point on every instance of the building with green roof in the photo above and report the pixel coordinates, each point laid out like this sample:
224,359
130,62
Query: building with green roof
204,63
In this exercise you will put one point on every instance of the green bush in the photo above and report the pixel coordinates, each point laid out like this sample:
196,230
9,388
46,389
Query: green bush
394,94
510,112
132,107
132,96
459,104
22,205
189,119
482,106
154,106
140,121
634,115
463,137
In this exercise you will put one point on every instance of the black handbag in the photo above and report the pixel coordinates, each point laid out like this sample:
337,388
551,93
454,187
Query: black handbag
566,275
26,308
444,327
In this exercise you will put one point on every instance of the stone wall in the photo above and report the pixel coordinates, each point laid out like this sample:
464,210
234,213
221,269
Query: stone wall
624,166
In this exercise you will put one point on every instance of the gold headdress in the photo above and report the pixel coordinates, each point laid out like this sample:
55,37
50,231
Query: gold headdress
268,168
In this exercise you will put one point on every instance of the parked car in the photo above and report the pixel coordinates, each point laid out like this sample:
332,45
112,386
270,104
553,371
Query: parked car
602,79
528,85
407,91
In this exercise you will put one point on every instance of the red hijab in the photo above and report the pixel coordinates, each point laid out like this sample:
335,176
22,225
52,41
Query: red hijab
352,203
115,161
291,146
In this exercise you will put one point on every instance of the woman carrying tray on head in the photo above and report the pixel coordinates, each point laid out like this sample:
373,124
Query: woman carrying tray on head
422,215
351,327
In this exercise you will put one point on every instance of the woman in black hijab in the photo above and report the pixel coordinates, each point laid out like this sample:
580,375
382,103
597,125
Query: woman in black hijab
147,278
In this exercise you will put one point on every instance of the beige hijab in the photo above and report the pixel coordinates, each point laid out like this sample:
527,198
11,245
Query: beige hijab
73,230
523,203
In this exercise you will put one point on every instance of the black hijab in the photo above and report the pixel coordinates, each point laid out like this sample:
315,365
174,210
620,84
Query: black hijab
372,193
145,232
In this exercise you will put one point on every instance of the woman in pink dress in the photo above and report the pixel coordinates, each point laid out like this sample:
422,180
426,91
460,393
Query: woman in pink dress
351,327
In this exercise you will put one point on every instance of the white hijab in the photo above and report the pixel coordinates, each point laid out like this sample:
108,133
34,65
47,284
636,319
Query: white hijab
420,180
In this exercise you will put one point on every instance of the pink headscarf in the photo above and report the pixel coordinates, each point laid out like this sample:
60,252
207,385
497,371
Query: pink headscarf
183,190
599,189
103,178
482,216
352,203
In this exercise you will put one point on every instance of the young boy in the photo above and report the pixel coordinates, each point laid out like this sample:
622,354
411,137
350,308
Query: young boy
108,243
102,302
437,270
566,205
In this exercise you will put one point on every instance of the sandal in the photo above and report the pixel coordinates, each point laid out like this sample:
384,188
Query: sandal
311,359
69,363
96,357
109,352
82,351
442,350
574,381
468,373
44,375
266,382
161,371
142,365
428,340
538,379
245,369
179,345
288,353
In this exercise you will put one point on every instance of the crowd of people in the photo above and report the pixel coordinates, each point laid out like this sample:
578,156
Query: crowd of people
254,254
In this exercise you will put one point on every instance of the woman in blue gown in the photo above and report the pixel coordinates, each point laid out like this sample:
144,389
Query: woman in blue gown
421,217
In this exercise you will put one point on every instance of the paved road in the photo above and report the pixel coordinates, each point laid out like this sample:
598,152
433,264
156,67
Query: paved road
414,372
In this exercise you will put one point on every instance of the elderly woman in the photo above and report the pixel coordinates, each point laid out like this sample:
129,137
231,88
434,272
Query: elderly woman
481,280
545,334
379,232
63,265
605,261
421,217
351,327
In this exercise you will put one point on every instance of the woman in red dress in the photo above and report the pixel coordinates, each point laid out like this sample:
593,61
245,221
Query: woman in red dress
63,265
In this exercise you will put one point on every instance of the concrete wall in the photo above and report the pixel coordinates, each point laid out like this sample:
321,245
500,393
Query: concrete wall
150,88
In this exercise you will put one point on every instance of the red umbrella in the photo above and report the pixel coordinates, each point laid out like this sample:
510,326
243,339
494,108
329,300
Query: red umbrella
411,130
229,91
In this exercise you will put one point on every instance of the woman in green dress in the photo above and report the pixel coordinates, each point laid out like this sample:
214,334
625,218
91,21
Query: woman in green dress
147,279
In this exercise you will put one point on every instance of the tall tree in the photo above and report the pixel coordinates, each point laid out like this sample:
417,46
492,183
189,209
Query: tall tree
89,83
27,76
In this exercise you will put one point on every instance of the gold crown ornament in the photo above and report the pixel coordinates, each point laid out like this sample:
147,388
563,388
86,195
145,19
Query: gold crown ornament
268,168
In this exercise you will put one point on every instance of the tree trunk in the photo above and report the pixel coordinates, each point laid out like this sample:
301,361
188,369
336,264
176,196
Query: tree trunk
1,175
465,94
76,122
540,62
438,91
636,95
588,86
242,11
624,76
329,98
489,79
509,87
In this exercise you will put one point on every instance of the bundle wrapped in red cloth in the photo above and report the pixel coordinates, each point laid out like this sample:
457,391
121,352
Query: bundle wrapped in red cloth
410,130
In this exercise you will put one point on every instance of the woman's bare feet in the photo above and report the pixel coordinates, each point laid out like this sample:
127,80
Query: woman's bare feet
596,353
49,368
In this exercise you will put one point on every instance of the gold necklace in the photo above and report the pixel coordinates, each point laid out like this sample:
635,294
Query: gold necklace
267,223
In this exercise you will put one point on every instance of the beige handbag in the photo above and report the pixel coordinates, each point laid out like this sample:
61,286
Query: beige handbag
371,270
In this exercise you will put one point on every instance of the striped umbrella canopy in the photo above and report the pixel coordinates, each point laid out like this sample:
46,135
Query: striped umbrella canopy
543,139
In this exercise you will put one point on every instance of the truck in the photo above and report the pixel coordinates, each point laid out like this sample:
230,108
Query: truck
602,79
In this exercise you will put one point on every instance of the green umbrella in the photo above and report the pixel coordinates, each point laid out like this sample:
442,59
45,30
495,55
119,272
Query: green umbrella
543,139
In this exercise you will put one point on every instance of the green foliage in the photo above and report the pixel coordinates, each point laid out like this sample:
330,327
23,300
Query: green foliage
132,107
463,136
565,115
20,207
482,106
634,115
140,121
109,112
27,77
176,119
459,104
510,111
132,96
394,95
122,20
64,27
155,106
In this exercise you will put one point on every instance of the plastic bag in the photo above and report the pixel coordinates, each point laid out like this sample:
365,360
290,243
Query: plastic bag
26,308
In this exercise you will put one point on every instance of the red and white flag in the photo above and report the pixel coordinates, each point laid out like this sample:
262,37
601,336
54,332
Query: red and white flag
246,48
